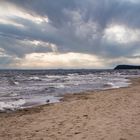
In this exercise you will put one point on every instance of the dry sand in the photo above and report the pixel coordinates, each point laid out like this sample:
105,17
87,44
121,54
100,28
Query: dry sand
104,115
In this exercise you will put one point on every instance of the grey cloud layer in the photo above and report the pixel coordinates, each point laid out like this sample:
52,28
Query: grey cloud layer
74,25
103,12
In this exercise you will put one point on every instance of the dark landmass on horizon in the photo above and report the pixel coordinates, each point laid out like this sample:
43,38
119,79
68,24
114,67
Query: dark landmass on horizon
126,67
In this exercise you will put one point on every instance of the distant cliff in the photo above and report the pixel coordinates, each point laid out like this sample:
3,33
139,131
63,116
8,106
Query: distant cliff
126,67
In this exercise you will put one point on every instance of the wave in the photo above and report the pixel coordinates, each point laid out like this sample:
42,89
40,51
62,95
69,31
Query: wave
53,76
11,105
60,86
73,74
34,78
28,85
12,82
13,94
110,85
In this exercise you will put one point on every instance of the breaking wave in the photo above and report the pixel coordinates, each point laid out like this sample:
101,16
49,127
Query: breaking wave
11,105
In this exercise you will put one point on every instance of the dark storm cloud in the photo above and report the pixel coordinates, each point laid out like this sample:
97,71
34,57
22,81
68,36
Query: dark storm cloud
71,26
16,47
53,10
103,12
14,40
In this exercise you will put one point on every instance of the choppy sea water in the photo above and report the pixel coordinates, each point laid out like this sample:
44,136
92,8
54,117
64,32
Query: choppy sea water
27,88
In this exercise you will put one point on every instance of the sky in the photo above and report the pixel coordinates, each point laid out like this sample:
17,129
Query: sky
45,34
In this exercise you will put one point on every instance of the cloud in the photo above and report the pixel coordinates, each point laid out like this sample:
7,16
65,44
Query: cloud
65,60
107,29
120,34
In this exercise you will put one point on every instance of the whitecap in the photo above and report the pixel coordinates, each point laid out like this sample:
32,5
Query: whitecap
12,105
110,84
16,83
12,82
34,78
13,94
60,86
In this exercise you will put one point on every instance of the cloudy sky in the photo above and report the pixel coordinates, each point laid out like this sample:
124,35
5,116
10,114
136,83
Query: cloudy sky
69,33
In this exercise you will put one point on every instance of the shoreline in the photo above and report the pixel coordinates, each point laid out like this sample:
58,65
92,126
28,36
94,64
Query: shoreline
98,114
63,98
68,97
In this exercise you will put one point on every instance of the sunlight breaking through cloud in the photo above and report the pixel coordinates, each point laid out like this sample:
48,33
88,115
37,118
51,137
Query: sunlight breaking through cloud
53,60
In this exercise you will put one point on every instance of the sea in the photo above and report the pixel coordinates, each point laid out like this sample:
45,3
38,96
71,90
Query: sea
21,89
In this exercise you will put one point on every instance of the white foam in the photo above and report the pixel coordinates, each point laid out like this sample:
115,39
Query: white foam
16,83
74,74
34,78
13,94
11,105
53,76
110,84
60,86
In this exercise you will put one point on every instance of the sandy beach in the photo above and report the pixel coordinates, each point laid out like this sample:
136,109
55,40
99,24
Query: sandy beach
102,115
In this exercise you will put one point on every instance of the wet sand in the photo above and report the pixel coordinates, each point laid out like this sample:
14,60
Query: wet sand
104,115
